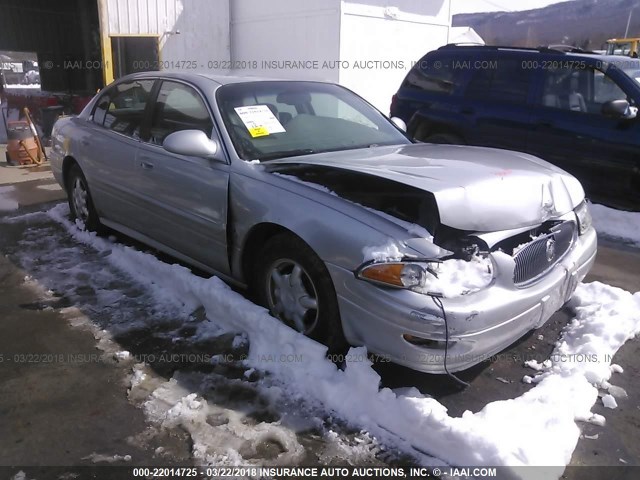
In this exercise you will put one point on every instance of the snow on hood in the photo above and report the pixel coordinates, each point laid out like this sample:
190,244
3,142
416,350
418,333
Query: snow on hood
479,189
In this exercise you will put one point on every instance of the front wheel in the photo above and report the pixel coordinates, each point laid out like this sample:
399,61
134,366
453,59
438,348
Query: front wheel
80,202
294,284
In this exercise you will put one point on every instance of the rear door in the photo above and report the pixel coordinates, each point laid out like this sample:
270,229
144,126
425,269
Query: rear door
184,198
496,105
109,146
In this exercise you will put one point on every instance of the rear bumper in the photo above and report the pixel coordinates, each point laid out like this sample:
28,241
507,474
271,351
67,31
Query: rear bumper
480,324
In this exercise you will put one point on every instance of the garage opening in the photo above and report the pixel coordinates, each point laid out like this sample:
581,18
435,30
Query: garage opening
134,54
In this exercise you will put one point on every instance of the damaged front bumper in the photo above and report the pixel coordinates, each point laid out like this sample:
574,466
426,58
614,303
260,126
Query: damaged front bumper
408,328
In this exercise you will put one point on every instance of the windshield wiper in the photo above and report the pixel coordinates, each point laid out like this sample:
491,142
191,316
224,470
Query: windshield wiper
287,153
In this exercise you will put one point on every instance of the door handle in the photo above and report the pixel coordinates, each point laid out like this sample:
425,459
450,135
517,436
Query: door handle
146,165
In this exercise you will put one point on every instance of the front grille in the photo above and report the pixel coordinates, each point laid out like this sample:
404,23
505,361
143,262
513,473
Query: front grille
539,256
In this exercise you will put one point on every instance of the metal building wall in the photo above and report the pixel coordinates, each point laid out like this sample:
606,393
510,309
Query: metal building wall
191,34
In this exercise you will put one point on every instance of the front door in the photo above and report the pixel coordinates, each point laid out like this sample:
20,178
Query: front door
185,198
570,131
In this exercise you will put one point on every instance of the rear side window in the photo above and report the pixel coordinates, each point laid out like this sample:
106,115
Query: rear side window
179,107
121,109
433,75
500,80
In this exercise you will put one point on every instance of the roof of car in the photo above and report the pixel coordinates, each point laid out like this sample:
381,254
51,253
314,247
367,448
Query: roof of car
559,50
230,76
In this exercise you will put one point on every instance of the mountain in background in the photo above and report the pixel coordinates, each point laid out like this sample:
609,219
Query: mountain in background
582,23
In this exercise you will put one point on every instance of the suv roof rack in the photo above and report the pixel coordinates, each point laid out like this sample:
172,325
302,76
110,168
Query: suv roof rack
559,49
565,48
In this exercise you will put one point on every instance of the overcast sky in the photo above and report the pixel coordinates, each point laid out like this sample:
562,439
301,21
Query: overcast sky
472,6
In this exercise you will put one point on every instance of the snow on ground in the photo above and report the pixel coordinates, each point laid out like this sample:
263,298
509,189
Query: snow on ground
616,223
7,203
175,353
21,86
566,386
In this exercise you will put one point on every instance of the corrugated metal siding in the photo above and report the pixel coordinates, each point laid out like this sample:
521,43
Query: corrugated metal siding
142,17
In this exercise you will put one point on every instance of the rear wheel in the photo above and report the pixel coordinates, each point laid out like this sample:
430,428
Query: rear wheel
294,284
80,202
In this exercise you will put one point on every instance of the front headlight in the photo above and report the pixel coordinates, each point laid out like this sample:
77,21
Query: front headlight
446,278
399,274
583,216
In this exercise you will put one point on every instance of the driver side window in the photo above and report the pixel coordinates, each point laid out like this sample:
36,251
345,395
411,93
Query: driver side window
179,107
583,90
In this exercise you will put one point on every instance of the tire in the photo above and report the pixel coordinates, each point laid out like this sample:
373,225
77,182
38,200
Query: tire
444,138
80,202
318,316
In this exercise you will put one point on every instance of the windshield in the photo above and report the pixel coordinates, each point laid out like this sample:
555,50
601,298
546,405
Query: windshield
632,68
270,120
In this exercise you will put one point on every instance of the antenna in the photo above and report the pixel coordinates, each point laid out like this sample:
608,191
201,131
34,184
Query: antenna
626,32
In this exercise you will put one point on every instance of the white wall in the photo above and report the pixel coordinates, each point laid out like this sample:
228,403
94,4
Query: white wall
203,26
334,40
387,40
280,30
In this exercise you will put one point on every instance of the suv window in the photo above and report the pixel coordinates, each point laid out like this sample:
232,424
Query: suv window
179,107
579,89
121,109
500,80
432,75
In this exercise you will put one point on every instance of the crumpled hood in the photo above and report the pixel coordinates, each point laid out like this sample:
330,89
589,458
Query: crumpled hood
478,189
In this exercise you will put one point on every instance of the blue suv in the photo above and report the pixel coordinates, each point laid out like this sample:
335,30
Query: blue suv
576,110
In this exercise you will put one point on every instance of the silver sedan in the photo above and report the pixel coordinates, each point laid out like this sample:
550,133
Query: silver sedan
432,256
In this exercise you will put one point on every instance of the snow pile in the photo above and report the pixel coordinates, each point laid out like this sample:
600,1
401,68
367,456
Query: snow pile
537,428
459,277
616,223
454,277
98,457
383,253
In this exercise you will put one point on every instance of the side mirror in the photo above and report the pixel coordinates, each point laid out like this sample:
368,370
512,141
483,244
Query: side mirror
398,122
619,109
193,143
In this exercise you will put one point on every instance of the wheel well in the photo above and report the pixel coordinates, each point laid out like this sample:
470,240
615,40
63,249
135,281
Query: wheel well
67,163
256,238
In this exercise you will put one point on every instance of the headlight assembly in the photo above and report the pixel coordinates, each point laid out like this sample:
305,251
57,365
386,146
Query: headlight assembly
402,274
443,278
583,216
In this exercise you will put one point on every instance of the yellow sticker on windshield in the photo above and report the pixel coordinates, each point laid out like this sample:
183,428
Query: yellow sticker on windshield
259,120
258,132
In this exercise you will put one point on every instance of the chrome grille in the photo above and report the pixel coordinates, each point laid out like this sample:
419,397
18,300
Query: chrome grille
539,256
